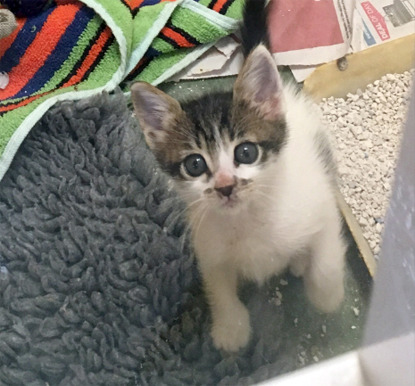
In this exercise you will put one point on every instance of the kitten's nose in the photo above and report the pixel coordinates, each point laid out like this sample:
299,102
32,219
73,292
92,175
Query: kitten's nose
225,190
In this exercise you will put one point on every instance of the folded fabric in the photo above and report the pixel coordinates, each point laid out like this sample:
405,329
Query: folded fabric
75,49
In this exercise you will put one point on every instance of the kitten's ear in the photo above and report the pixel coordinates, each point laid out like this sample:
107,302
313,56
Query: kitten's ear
259,84
155,110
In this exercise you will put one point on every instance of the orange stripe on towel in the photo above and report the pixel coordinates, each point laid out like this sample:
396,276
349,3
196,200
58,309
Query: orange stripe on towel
219,4
24,102
85,66
133,4
37,53
179,39
90,58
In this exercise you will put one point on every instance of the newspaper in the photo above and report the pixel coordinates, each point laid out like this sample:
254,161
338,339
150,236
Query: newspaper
337,28
305,34
381,21
223,59
310,32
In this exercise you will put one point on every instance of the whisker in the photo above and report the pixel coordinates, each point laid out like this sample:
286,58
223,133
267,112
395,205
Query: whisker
190,221
185,236
262,185
205,210
187,206
264,195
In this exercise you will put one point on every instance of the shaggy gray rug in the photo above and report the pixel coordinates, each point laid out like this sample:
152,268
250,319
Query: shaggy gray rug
98,285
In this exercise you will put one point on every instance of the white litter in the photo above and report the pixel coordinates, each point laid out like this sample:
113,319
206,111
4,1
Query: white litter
367,128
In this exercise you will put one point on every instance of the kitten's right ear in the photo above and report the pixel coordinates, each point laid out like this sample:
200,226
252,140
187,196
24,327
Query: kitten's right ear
155,110
260,86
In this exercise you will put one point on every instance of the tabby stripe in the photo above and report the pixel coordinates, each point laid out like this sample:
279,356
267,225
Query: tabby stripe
174,170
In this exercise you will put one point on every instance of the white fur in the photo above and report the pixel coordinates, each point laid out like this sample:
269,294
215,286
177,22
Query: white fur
283,215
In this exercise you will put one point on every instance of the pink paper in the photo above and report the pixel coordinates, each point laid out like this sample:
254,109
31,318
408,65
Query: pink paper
296,25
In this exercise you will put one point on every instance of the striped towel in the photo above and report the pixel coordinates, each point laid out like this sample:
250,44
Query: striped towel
75,49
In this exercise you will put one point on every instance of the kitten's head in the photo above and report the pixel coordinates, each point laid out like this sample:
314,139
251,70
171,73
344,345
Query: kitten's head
219,148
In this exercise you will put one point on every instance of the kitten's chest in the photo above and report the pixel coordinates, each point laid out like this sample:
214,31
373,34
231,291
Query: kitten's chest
248,242
244,235
254,250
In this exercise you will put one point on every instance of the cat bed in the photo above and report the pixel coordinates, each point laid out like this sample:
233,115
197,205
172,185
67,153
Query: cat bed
98,284
74,49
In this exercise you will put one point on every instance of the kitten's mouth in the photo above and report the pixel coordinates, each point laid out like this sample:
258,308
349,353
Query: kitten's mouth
229,202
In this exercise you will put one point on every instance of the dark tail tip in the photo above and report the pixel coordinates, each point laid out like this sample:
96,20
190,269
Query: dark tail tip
254,28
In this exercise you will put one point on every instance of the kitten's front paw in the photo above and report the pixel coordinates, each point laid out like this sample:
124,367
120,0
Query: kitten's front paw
298,266
231,331
326,298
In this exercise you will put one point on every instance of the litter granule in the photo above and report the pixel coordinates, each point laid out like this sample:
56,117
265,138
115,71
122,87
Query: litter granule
367,128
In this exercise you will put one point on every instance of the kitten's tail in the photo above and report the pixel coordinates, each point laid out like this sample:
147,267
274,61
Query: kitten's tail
254,29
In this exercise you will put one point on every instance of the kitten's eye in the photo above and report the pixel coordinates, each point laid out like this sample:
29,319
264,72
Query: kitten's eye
246,153
195,165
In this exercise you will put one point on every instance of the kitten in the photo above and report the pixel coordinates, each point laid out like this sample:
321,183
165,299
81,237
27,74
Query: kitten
256,171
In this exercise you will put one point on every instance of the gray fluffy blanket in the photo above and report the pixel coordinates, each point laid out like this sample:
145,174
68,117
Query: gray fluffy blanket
98,285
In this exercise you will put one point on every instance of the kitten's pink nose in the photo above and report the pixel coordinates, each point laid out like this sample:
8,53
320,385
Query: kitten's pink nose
224,184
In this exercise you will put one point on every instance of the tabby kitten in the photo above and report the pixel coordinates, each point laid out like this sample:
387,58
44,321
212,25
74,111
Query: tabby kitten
255,169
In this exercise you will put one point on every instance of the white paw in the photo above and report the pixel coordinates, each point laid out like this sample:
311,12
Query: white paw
231,331
298,266
326,298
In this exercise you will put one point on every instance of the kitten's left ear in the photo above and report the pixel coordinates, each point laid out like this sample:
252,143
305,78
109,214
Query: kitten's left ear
155,110
259,84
